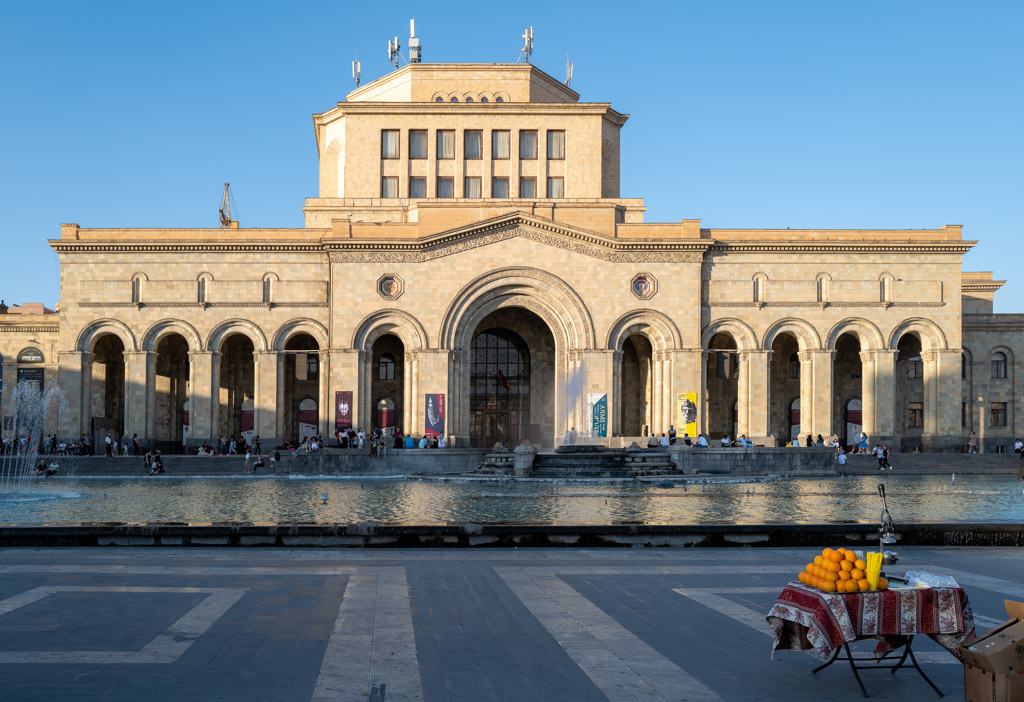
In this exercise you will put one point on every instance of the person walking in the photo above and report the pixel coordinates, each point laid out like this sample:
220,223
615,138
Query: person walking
248,467
972,442
382,448
135,445
885,456
256,445
109,445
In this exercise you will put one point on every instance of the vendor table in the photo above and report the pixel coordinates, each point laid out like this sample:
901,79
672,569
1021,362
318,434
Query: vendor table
824,624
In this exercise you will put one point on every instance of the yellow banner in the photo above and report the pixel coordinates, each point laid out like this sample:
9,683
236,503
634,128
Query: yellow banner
686,413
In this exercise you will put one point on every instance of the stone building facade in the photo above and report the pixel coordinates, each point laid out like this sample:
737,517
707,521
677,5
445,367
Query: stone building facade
469,241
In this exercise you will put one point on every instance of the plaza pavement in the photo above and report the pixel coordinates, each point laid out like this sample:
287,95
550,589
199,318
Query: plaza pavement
394,626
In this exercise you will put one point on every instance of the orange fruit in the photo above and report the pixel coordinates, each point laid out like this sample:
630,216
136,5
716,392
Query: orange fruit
809,568
835,556
851,556
863,585
831,576
818,560
826,551
846,565
844,575
833,566
830,587
857,574
883,584
803,577
859,564
840,586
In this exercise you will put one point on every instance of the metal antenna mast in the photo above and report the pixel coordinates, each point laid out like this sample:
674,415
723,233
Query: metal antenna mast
356,70
527,49
568,71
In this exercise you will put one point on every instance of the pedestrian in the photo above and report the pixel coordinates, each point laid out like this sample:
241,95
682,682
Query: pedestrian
810,441
885,456
361,436
863,444
382,447
441,443
256,445
223,445
972,442
671,435
1018,446
247,468
664,441
135,445
233,446
109,445
820,441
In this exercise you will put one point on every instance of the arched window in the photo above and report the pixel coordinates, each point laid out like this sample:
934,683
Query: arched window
268,288
999,365
760,287
440,99
499,99
386,367
136,289
203,288
484,99
455,99
469,99
885,288
823,283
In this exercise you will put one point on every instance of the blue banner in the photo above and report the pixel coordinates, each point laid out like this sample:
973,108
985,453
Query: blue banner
599,415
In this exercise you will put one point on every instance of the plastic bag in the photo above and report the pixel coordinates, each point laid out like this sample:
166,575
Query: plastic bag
920,578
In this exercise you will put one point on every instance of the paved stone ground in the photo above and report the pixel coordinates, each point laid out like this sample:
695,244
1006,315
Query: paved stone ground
389,626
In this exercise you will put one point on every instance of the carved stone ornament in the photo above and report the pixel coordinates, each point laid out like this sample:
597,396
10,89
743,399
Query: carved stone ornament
644,286
390,286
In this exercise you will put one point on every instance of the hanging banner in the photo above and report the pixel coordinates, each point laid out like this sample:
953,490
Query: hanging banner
342,410
686,413
434,416
598,402
307,418
248,420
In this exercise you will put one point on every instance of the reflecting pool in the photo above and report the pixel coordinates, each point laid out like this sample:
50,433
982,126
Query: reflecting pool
912,498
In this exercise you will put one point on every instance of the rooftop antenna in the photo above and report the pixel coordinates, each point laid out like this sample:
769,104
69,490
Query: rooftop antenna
568,71
225,210
415,50
527,49
393,51
356,69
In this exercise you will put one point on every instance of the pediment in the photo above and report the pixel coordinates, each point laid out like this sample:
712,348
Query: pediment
517,225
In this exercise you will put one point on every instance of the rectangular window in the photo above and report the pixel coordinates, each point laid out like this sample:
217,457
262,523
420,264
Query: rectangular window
499,187
915,414
528,144
998,365
721,366
417,187
445,143
389,143
555,187
418,143
963,414
527,187
500,144
389,186
473,143
312,366
472,187
794,367
556,145
914,369
998,410
446,187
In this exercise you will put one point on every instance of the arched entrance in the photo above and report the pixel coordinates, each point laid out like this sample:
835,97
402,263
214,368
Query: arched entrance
784,386
847,388
722,385
512,380
171,392
388,383
301,382
236,386
106,396
636,387
908,387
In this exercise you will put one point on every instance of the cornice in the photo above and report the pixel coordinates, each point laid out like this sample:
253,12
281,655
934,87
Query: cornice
35,329
930,247
73,246
981,287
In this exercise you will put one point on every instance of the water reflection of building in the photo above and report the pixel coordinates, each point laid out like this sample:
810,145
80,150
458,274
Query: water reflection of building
469,240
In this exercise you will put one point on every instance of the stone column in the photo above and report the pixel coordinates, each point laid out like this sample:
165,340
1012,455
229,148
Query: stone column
135,367
324,404
816,392
201,396
345,369
86,393
150,432
266,401
688,376
667,392
279,428
981,373
877,402
654,399
752,394
945,396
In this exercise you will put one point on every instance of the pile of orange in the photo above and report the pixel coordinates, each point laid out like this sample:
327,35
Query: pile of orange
839,570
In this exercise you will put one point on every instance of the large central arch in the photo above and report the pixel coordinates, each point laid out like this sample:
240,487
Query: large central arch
548,297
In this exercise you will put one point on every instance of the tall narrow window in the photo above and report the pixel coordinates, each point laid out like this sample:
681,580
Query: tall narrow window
137,289
473,144
556,145
418,143
389,186
528,144
389,143
446,187
963,366
555,187
998,410
999,365
794,366
417,187
386,367
500,144
312,366
823,281
472,187
760,287
915,414
885,285
528,187
267,289
915,368
446,143
499,187
203,289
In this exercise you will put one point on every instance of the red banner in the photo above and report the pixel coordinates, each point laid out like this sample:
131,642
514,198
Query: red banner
342,410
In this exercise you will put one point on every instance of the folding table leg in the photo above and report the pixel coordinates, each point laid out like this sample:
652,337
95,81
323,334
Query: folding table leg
853,667
919,670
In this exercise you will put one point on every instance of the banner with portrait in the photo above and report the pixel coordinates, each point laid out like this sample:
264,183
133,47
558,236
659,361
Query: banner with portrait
342,410
433,417
686,413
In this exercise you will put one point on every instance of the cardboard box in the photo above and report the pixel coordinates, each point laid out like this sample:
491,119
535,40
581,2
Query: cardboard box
994,661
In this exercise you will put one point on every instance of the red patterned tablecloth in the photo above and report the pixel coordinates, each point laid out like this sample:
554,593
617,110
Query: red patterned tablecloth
807,619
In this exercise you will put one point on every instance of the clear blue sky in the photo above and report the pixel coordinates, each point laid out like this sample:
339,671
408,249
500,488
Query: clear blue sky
759,114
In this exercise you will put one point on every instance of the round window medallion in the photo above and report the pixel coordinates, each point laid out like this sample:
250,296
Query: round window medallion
390,286
644,286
